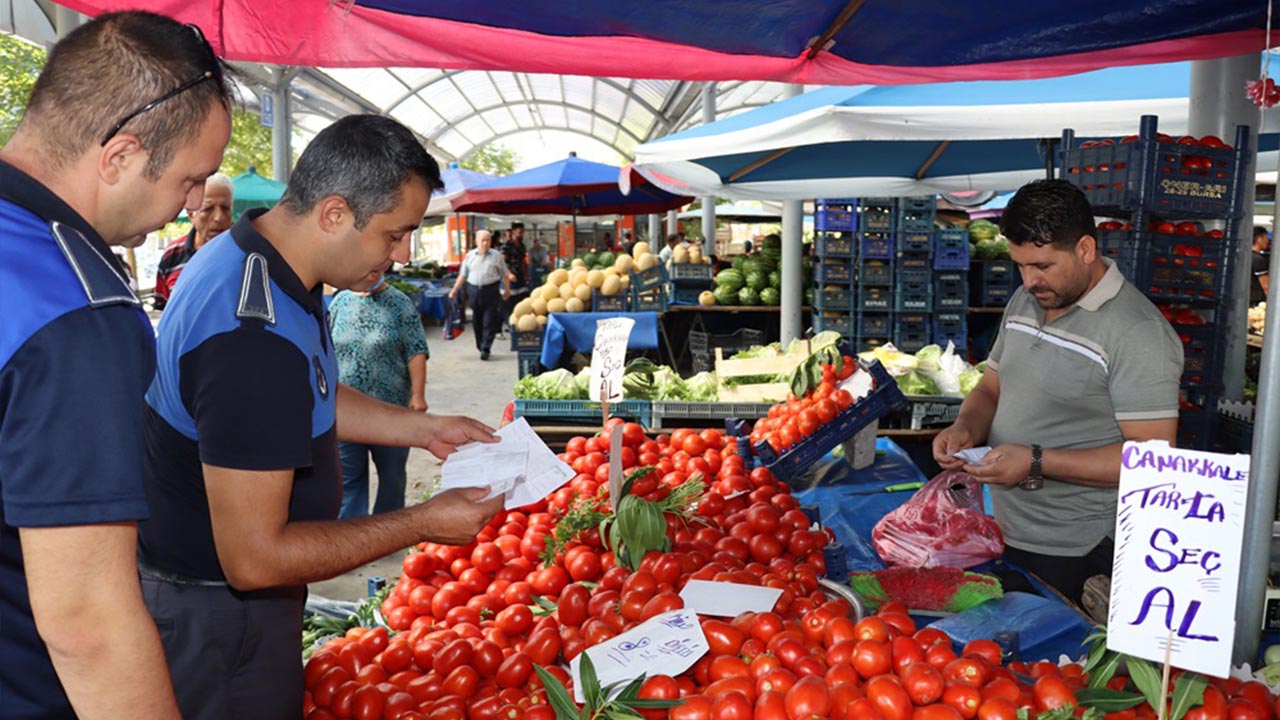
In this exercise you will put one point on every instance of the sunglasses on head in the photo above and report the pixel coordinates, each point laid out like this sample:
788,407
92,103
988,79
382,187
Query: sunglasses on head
213,73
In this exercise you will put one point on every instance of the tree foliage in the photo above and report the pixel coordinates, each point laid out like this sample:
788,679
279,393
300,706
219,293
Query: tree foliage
20,64
494,159
250,145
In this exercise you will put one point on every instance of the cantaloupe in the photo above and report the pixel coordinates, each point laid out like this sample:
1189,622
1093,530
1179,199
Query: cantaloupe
611,272
680,255
539,306
558,277
583,293
595,278
524,307
623,264
612,286
566,291
574,305
527,323
577,263
577,277
640,248
542,320
706,297
555,306
625,280
647,261
695,254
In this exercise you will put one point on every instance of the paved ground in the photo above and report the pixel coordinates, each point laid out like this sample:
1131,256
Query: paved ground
458,382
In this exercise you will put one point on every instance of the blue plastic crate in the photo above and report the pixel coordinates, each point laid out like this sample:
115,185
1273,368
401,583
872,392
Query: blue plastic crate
834,298
840,219
875,245
654,277
686,295
608,303
842,323
950,290
869,343
528,363
878,214
1201,369
953,326
915,240
914,291
915,261
832,272
1165,178
999,278
692,273
838,246
875,299
1121,248
637,410
875,272
792,463
529,340
1196,429
916,214
875,324
951,249
654,300
912,331
1179,267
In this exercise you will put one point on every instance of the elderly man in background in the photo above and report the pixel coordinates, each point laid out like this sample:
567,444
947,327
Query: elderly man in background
211,219
483,269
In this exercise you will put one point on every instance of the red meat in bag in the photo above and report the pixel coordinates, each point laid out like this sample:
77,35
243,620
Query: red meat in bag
942,525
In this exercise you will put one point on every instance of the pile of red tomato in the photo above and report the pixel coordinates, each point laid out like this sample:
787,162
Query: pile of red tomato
787,424
469,623
1186,227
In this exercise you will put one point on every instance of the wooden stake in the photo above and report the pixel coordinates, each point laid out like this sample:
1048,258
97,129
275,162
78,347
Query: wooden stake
1164,680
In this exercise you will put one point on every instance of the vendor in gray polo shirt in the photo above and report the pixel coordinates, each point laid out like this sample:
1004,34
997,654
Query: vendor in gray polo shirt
1082,363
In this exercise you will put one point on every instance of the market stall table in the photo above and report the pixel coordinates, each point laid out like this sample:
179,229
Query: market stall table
1048,626
578,331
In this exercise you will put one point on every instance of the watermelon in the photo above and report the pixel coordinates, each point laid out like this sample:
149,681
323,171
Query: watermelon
775,281
771,242
738,261
726,295
748,296
605,259
770,296
589,258
732,279
757,280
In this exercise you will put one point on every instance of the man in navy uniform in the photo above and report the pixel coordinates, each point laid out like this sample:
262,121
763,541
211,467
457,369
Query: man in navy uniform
244,418
128,118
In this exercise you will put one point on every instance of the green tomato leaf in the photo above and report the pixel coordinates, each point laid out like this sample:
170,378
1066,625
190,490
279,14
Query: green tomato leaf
557,695
1145,678
1108,700
590,683
1106,669
1188,692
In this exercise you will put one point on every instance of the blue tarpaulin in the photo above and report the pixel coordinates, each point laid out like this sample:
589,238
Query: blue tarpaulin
578,331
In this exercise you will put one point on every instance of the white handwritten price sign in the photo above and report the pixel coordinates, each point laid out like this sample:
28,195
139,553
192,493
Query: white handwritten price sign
666,644
1179,530
608,358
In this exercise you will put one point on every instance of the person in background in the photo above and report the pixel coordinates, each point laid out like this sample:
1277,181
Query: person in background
664,254
127,118
244,418
628,244
382,352
517,260
539,262
1261,266
483,269
747,247
1083,363
211,219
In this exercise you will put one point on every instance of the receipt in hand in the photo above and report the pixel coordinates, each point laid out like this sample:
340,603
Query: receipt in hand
520,466
973,456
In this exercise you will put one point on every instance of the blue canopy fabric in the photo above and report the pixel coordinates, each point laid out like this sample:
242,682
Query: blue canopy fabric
916,139
571,186
578,331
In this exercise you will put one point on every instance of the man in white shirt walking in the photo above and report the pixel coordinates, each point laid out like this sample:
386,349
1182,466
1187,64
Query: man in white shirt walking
483,269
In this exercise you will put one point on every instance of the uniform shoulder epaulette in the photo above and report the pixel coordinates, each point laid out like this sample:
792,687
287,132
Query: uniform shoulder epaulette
102,283
255,290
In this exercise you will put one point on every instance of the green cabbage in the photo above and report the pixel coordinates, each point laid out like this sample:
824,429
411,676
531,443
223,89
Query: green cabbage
928,357
702,387
917,383
969,380
557,384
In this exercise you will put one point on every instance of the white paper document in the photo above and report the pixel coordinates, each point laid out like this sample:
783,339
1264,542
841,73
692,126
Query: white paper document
724,599
973,456
520,466
666,644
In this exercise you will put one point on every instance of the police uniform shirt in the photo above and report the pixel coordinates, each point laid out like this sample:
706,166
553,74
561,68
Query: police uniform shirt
247,379
76,355
487,269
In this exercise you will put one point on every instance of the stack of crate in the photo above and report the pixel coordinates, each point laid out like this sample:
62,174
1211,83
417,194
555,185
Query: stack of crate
1182,206
877,260
951,287
913,301
689,280
835,225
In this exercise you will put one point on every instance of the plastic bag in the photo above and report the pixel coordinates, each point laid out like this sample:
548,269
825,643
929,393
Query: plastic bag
454,320
942,525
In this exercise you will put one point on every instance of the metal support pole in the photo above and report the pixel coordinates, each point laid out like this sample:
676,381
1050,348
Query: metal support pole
673,222
65,20
790,326
708,201
1217,106
282,129
656,238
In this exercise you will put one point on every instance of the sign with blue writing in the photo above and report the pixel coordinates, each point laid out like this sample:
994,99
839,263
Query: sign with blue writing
608,358
1179,531
268,107
666,644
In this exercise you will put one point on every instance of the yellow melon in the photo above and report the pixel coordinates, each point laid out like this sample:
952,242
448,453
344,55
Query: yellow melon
524,307
706,297
623,264
574,305
647,261
558,277
527,323
566,291
539,306
577,263
695,254
583,293
625,280
680,255
640,248
579,276
612,286
595,278
555,306
542,320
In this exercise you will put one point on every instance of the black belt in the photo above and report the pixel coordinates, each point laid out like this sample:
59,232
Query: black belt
155,573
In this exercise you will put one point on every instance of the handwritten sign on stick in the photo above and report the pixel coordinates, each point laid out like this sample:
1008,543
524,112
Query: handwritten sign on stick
666,644
1179,529
608,358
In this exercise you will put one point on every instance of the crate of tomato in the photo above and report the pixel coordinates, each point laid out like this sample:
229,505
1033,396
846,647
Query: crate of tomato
804,431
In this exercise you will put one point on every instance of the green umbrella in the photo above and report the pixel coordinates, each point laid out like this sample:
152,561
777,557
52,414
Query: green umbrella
254,191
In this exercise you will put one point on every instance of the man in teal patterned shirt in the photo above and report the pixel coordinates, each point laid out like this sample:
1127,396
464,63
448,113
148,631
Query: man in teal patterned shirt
382,352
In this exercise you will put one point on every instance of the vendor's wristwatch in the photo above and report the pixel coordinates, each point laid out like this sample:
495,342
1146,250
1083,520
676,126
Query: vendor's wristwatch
1035,480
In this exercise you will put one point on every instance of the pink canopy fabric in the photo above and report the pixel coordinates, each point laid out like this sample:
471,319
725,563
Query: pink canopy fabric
799,41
